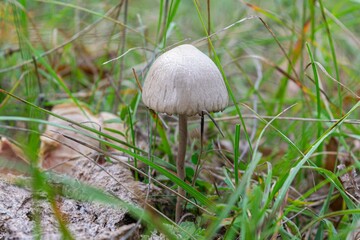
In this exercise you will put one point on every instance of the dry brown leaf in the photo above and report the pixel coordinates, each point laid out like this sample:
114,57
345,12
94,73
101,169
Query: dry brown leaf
12,159
57,151
111,127
331,149
350,181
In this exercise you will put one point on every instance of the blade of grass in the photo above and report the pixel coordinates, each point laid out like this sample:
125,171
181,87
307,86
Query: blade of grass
174,5
268,14
333,53
161,10
267,184
236,153
312,19
330,215
164,139
132,132
121,51
318,101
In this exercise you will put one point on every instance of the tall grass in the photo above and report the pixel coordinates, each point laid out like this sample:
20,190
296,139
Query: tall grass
297,62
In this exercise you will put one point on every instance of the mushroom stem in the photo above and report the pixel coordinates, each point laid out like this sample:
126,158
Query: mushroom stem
180,163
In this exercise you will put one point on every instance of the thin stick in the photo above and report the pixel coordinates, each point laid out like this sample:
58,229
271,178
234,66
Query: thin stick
201,149
209,26
41,95
123,43
252,116
180,164
213,120
137,80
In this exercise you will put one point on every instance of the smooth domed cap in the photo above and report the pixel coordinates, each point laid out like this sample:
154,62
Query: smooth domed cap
184,81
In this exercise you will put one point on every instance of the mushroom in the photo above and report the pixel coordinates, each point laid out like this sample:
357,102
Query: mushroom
186,82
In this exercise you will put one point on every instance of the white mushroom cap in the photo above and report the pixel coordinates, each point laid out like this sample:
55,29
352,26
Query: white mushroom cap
184,81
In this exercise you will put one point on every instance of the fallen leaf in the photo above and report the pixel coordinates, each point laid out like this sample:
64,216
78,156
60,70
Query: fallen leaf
58,151
331,156
111,126
12,159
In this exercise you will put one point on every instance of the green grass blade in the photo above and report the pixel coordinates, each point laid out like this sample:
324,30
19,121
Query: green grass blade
236,153
332,48
318,101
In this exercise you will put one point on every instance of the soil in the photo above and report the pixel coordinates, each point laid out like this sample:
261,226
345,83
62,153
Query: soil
85,220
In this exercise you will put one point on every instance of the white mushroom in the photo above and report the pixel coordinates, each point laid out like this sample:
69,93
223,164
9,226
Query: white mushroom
184,81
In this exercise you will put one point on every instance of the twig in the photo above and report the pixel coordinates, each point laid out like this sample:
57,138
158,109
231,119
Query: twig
253,116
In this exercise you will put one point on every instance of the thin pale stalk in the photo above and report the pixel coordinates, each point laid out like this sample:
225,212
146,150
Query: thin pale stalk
180,163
